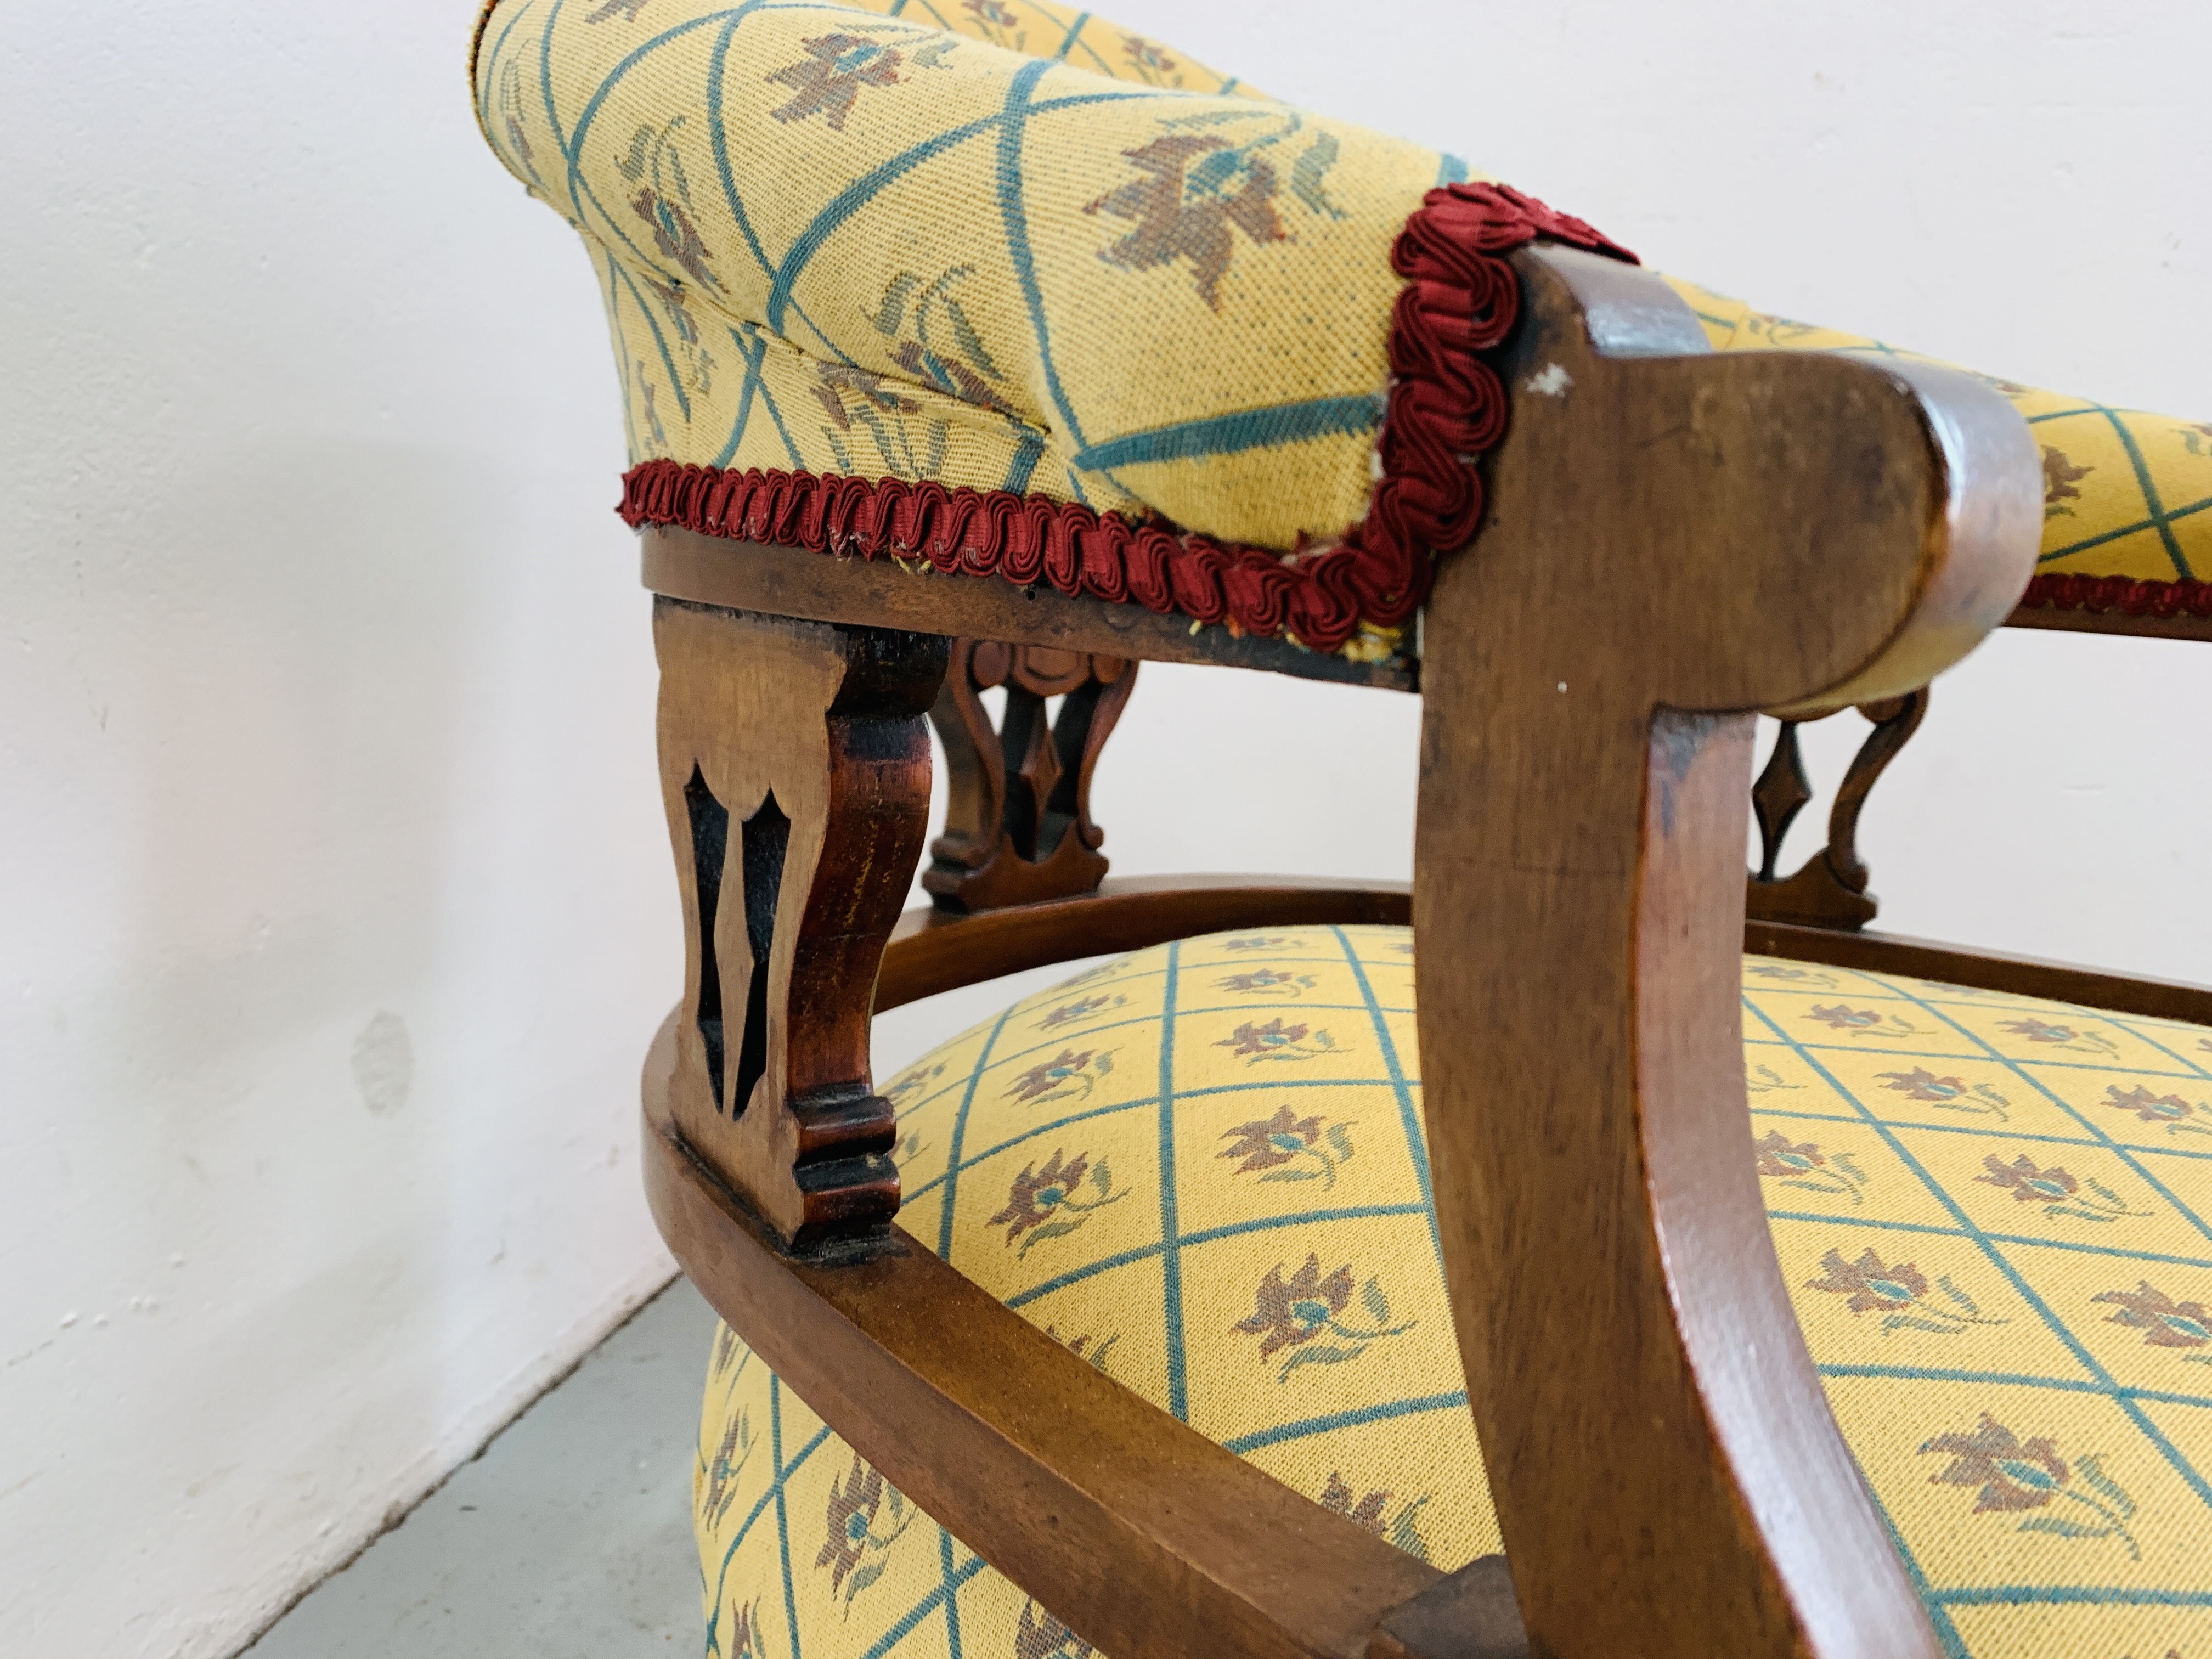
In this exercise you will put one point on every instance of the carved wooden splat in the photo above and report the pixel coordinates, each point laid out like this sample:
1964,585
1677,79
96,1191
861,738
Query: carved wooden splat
1831,889
794,765
1017,824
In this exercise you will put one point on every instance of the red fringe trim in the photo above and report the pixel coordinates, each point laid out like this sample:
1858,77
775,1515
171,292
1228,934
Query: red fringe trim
1447,408
2162,600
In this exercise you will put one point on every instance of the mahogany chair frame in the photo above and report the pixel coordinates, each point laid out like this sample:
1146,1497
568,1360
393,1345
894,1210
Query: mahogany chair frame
1676,542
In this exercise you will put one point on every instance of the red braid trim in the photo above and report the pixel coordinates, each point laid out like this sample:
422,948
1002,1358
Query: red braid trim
1447,408
2163,600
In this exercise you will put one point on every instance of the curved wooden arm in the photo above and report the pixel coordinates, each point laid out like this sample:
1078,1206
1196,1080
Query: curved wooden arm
1676,540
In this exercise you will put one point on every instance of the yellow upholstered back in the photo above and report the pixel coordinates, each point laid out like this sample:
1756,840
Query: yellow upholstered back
860,244
924,241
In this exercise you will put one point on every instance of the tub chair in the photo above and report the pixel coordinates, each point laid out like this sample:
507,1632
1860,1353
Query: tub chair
1575,1285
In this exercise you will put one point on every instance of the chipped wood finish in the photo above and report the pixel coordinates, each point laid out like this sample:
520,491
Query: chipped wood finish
1018,824
794,765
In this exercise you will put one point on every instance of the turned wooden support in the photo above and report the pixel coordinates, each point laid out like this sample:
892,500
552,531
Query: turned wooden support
1018,824
794,764
1675,541
1830,889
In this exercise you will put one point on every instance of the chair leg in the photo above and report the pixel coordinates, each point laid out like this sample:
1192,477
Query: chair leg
794,765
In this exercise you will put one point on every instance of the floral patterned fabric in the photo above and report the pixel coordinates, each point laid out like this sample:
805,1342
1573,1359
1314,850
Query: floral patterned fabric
917,240
1001,245
1202,1168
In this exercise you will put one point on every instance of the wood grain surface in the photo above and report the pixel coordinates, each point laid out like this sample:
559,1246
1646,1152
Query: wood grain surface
1675,541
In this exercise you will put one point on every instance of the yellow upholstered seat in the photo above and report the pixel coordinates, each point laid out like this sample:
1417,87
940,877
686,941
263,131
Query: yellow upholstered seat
1202,1168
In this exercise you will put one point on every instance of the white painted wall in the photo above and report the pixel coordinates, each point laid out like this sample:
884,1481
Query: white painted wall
325,692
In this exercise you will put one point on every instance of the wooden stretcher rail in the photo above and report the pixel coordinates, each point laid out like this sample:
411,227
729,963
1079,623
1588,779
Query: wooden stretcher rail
1987,970
933,950
1127,1524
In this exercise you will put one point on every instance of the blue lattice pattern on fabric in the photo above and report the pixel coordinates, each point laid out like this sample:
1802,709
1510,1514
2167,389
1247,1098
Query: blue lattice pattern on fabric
1202,1168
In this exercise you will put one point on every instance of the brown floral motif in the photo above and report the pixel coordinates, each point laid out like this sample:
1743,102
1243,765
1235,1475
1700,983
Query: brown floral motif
1286,1139
740,1643
994,22
655,166
1291,1313
725,1350
852,1545
1263,942
2163,1322
625,9
1952,1094
1097,971
1252,1043
698,361
1194,188
2179,1117
1267,982
2197,440
1066,1076
861,405
1802,1165
910,1082
1898,1293
1862,1022
1794,975
1764,1079
2015,1476
1084,1348
2082,1040
1368,1510
2057,1190
946,351
719,1480
1074,1013
651,414
1042,1202
1041,1636
1151,61
2060,476
827,82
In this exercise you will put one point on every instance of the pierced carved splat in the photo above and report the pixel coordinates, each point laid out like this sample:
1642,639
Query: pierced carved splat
1017,826
794,764
1831,889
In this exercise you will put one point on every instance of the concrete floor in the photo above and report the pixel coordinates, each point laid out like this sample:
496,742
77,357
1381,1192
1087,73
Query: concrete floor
569,1538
